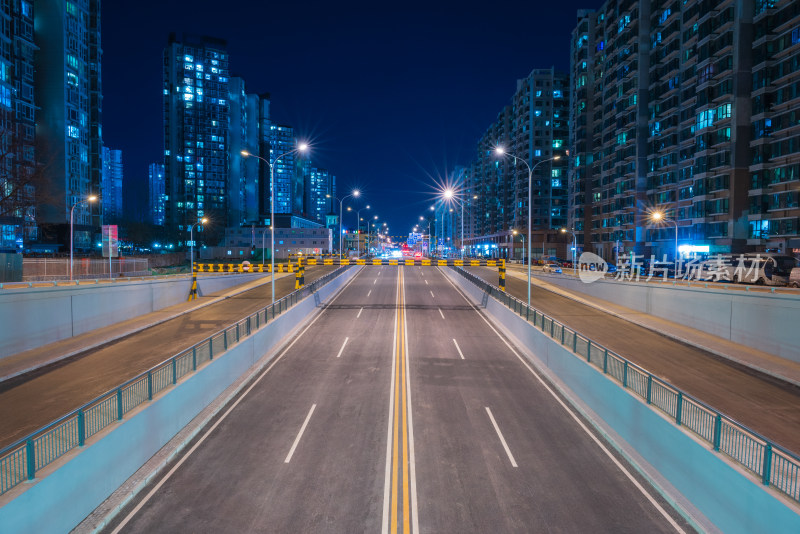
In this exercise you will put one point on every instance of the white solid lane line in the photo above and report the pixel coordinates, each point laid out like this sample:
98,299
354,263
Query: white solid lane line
432,294
502,439
343,344
440,312
388,473
359,313
572,414
300,434
412,454
458,348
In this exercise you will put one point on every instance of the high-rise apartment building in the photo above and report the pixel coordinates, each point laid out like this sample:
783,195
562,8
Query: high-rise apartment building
67,93
285,174
111,186
196,129
18,174
320,190
774,195
534,128
156,193
672,111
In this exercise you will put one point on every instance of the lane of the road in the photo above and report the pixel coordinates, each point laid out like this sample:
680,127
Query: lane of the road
398,409
766,405
33,401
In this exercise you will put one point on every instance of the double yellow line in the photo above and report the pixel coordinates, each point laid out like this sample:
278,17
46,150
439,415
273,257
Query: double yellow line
400,512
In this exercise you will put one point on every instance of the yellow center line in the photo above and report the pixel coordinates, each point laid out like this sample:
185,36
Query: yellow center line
400,466
406,476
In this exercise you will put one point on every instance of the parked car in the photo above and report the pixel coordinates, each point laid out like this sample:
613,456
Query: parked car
551,268
762,269
794,277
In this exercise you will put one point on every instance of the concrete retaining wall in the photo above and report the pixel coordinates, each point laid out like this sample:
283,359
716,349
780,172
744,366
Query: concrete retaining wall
731,500
764,321
33,317
62,499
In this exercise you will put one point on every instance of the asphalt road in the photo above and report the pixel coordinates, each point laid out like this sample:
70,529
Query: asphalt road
39,398
398,409
763,404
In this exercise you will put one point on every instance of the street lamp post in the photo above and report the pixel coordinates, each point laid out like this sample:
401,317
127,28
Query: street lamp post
574,247
501,151
659,216
515,232
355,194
358,222
90,198
302,147
191,242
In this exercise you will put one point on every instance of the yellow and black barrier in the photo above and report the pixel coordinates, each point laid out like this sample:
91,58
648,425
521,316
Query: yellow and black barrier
241,268
193,291
502,270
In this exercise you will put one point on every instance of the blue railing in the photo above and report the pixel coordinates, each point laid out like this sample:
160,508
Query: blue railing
771,463
21,460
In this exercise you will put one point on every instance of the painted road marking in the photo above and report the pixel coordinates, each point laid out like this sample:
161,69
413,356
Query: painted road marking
432,294
400,493
426,282
370,293
440,312
502,439
343,344
375,282
572,414
300,434
221,419
458,348
359,313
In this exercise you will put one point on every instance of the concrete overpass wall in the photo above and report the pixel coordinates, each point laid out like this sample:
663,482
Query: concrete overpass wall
68,491
33,317
718,490
764,321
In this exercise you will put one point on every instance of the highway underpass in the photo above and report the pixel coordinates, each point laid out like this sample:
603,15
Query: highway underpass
399,408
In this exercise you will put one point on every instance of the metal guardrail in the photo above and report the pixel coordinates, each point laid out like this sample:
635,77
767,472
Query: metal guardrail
21,460
773,464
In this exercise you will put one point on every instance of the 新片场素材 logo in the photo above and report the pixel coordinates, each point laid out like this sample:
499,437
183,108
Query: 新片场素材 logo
591,267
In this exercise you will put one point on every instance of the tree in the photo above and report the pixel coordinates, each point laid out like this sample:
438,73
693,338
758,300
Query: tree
24,164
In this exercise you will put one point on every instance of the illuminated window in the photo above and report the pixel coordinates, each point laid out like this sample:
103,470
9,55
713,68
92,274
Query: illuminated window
73,132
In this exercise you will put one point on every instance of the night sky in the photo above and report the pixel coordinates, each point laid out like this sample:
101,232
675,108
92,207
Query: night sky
391,98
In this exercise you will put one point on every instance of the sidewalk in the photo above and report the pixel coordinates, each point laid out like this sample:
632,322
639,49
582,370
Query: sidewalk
30,360
761,361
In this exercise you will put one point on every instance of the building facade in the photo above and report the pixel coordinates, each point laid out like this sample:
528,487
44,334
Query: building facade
156,193
534,128
18,170
196,135
111,186
683,110
67,94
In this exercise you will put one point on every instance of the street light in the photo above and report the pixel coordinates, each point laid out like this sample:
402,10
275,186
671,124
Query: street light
500,151
515,232
358,222
301,147
356,193
574,247
658,217
191,241
90,198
